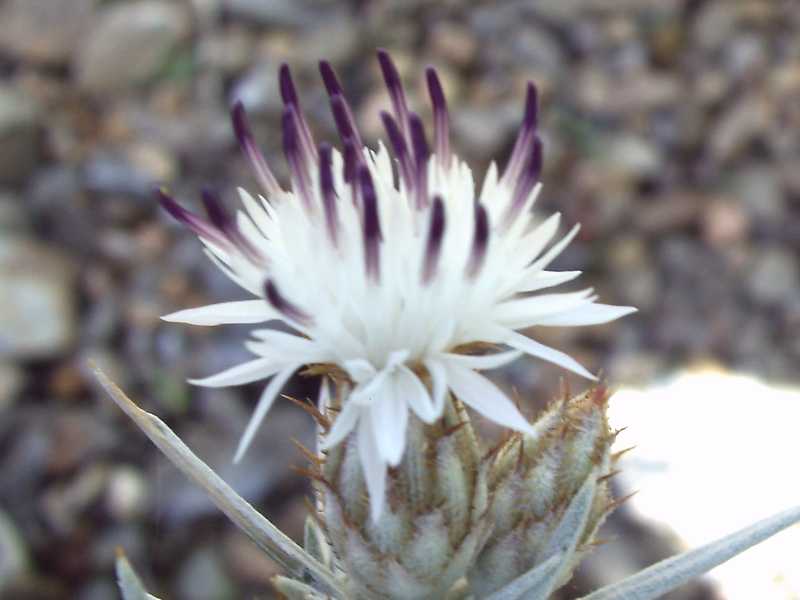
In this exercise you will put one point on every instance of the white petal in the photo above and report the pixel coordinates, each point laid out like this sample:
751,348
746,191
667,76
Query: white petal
439,381
260,368
288,347
367,390
540,280
359,369
528,311
482,395
411,390
389,416
537,239
374,468
263,406
556,249
591,314
343,424
242,311
529,346
487,361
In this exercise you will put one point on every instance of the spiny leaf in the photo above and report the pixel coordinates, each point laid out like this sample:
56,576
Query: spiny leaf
665,576
269,538
129,583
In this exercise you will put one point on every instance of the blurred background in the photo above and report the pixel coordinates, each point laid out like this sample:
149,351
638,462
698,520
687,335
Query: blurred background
672,133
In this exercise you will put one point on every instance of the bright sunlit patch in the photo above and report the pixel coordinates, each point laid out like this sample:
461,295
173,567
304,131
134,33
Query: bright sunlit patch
715,452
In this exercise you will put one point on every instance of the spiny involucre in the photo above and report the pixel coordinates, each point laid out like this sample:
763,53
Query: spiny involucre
533,480
386,266
461,519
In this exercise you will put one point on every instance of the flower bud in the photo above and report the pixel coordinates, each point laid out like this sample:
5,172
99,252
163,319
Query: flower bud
532,481
434,520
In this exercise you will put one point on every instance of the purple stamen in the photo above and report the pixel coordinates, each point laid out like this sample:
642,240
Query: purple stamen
350,161
435,236
371,224
342,113
395,87
421,156
441,126
343,124
298,164
290,98
264,174
328,191
526,181
198,225
223,222
480,241
329,78
526,132
282,305
400,148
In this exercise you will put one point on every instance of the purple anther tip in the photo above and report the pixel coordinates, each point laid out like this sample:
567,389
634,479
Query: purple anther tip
435,90
531,118
329,78
418,140
289,126
240,125
288,92
169,204
389,70
214,209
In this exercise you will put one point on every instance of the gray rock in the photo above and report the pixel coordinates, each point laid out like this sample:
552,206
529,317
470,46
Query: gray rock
285,13
758,188
129,45
743,121
127,493
43,31
714,25
19,135
36,299
632,156
63,504
774,276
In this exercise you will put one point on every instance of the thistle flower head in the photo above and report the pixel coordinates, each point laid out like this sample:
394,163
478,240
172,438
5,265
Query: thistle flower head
386,264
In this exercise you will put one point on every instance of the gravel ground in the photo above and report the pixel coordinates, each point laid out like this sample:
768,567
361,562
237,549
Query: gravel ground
671,134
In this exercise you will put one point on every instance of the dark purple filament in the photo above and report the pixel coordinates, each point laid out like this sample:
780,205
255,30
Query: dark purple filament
433,247
327,191
480,241
370,223
241,128
421,156
311,169
284,306
441,126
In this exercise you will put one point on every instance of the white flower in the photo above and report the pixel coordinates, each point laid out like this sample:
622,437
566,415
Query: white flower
385,265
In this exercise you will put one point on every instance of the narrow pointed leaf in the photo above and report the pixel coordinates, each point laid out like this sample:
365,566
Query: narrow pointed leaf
292,589
525,585
567,536
665,576
129,583
269,538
